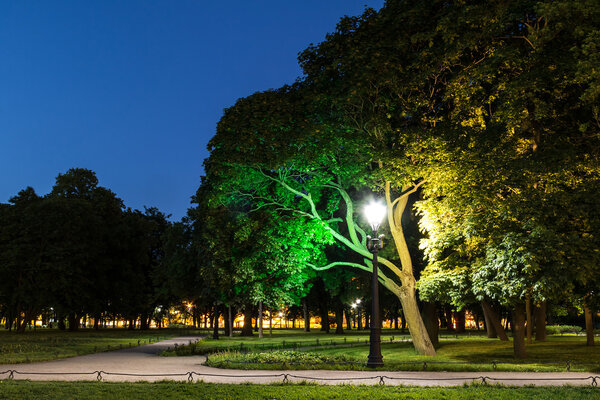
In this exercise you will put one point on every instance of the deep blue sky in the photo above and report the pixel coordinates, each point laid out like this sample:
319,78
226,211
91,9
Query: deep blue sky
133,89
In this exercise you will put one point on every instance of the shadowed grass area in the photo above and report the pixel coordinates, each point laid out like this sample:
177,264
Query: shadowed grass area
20,390
50,344
284,339
463,354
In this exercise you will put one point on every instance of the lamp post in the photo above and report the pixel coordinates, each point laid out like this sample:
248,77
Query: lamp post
375,213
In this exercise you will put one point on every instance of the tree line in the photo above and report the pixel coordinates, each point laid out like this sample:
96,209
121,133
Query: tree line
485,112
76,252
476,123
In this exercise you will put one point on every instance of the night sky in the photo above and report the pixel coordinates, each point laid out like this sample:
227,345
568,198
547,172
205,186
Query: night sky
133,89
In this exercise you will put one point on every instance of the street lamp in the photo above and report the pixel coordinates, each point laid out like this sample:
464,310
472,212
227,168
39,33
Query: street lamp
375,213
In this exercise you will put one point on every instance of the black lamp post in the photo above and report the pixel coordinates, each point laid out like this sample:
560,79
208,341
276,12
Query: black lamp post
375,213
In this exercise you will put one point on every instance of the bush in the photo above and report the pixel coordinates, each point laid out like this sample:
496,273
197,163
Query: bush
179,326
276,359
562,329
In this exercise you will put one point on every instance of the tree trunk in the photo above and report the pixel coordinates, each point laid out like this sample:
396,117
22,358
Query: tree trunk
260,319
225,313
230,321
359,323
589,325
306,316
20,326
406,293
494,320
460,321
449,322
60,321
403,326
339,318
529,319
418,333
247,328
73,322
216,323
540,322
489,327
348,319
144,321
324,311
430,319
518,324
270,322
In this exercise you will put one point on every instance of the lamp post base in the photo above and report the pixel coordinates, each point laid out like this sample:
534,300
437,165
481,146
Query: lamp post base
375,363
375,358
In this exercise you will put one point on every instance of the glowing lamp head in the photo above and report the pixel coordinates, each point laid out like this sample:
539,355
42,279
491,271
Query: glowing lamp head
375,213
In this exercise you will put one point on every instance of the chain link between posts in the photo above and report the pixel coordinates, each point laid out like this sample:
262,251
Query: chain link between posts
287,378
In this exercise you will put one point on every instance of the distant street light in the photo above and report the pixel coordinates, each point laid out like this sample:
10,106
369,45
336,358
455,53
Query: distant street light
375,213
355,306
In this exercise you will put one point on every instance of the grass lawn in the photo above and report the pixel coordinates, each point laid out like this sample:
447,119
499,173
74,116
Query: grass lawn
20,390
285,339
50,344
467,353
475,354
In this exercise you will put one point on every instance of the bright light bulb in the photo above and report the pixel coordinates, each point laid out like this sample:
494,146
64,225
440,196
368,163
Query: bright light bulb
375,213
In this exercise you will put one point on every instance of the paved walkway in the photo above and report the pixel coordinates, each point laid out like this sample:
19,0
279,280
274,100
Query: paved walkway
130,364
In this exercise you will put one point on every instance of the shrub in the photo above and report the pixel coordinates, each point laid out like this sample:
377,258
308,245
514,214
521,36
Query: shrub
276,359
562,329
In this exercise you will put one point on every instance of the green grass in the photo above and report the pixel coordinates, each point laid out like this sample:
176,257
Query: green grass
51,344
281,339
467,353
475,354
21,390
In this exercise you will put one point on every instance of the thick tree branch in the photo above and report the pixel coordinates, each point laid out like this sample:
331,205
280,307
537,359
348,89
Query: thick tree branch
305,196
408,192
340,263
349,212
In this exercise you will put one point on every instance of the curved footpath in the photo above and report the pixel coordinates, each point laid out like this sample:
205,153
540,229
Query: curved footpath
143,364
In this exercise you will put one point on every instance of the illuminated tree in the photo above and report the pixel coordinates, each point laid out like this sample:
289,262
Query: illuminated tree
511,206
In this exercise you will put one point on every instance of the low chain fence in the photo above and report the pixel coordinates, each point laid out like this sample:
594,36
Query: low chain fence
289,378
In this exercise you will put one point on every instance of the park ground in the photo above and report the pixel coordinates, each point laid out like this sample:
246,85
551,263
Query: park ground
470,352
21,390
295,349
